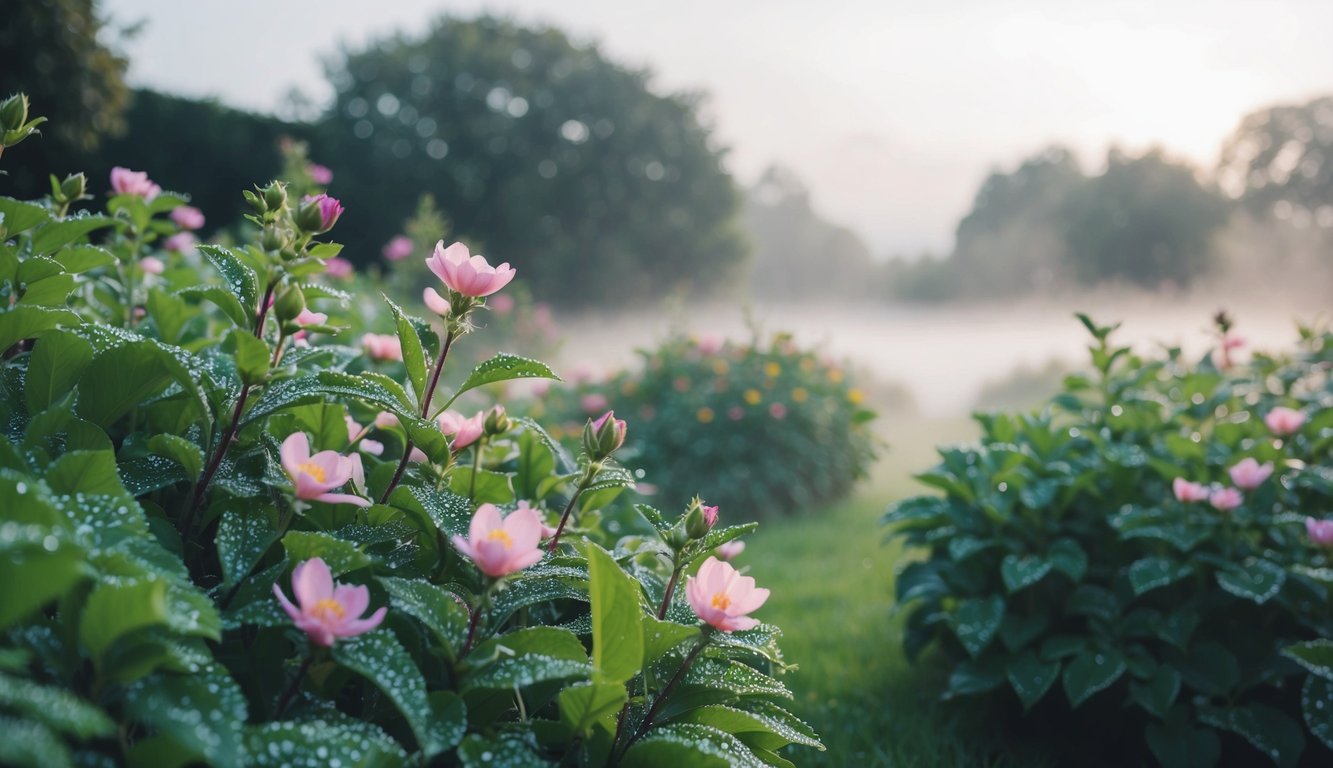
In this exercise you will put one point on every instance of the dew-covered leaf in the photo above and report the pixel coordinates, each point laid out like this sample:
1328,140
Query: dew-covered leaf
503,367
1152,572
379,658
341,556
203,712
443,612
244,535
1090,672
1317,708
1256,580
312,743
56,708
976,622
236,275
698,746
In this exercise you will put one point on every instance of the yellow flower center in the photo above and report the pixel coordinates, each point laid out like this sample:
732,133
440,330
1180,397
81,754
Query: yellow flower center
315,471
721,601
328,608
499,535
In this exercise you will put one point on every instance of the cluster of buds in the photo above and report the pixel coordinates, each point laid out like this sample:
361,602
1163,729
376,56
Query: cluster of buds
65,193
14,123
288,227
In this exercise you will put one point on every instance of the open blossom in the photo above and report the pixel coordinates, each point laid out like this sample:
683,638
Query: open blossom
357,434
722,597
729,550
180,242
338,267
464,429
467,274
397,249
127,182
498,546
308,318
319,174
152,265
187,217
313,477
327,610
1225,499
1321,531
1249,474
1189,492
1284,421
382,346
435,302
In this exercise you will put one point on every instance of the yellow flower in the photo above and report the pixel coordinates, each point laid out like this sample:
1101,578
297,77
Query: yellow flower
720,367
704,415
772,370
799,395
855,396
835,375
752,396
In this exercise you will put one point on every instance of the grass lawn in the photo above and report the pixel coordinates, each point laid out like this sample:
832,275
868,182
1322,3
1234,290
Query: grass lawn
831,578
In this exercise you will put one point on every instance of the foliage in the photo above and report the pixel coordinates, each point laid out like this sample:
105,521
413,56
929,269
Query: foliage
1279,160
763,429
1063,574
537,148
151,509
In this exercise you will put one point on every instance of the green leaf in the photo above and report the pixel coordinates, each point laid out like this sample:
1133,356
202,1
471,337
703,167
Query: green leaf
123,376
236,276
251,356
243,536
55,708
1159,692
1178,743
224,300
24,322
312,742
1153,572
503,367
48,292
660,637
82,258
441,611
1257,580
491,487
1068,558
414,358
1268,730
378,657
698,746
976,622
20,216
341,556
1031,677
583,705
57,233
769,728
54,367
180,450
118,608
30,743
477,751
86,472
41,559
617,631
527,657
1090,672
1021,572
203,712
1317,708
1315,655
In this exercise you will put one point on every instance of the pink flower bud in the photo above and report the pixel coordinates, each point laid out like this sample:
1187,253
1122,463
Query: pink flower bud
465,430
181,242
721,597
593,402
385,420
729,550
127,182
328,610
499,547
320,174
318,213
1249,474
1320,531
308,318
777,411
187,217
1189,492
338,267
382,346
1283,421
397,249
1225,499
467,274
152,265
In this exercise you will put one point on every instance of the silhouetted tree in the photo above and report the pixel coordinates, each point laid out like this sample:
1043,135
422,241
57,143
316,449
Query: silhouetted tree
1279,160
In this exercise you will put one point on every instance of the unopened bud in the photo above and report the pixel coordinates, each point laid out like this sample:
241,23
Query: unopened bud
699,519
13,112
289,304
275,196
604,436
73,187
318,214
497,421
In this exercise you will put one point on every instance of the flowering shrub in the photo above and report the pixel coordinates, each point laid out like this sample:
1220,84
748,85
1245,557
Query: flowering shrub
767,429
227,536
1141,545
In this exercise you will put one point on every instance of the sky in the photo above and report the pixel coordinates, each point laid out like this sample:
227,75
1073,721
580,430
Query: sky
892,112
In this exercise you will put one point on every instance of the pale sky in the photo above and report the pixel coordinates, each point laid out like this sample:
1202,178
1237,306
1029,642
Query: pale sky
893,112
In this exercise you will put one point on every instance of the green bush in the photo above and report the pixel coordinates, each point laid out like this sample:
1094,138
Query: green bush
1063,573
761,429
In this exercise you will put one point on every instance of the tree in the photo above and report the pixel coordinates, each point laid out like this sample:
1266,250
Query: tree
55,52
1279,160
1146,221
541,152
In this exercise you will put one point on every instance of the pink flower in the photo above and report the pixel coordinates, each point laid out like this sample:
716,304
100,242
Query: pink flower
314,476
709,345
1189,492
468,275
1321,531
127,182
180,242
1284,421
616,438
381,346
501,547
435,302
710,515
385,420
357,434
1232,341
417,456
187,217
308,318
1225,499
318,213
502,304
735,413
729,550
722,597
328,610
152,265
777,411
397,249
547,531
337,267
465,429
319,174
593,402
1250,474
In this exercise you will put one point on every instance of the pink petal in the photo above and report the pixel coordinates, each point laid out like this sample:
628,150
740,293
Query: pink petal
295,451
356,627
311,582
342,498
292,611
354,598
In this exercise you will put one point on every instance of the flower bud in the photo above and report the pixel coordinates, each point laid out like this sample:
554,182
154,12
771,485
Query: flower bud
275,196
273,239
73,187
497,421
318,214
290,303
699,519
14,112
677,537
602,437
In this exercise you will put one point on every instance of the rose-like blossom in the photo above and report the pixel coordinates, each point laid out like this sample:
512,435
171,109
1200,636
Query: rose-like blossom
464,429
152,265
1225,499
319,174
466,274
1321,531
338,267
1284,421
308,318
313,477
499,546
722,597
187,217
593,402
397,249
435,302
709,344
381,346
318,213
1249,474
328,610
1189,492
127,182
729,550
502,304
547,531
180,242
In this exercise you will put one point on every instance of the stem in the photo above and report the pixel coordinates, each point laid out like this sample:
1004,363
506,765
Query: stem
670,688
277,350
425,409
564,516
474,621
262,313
292,687
476,467
670,590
